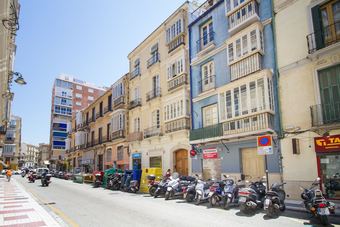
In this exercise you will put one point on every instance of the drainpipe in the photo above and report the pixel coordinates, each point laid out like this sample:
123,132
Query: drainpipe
281,134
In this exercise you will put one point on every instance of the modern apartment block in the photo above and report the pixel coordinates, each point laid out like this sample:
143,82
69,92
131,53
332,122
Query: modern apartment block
308,53
9,13
12,143
233,80
98,139
159,108
69,95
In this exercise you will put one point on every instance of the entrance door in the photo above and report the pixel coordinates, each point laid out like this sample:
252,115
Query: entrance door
100,162
181,162
253,164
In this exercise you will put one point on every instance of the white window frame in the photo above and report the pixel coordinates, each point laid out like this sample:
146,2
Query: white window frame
209,26
90,90
212,118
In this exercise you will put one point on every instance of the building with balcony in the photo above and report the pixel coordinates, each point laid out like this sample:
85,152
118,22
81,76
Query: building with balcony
9,17
69,95
309,92
12,143
44,154
30,154
98,138
233,81
159,106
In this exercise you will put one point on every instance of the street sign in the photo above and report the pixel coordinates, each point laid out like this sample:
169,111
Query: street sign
264,145
210,153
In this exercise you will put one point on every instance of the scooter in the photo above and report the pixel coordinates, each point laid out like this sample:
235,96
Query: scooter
98,179
316,204
114,181
189,193
252,197
274,202
231,190
216,194
202,191
177,186
152,184
46,180
162,187
133,187
31,177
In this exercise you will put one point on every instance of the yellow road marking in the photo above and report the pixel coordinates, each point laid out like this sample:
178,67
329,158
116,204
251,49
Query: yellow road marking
55,210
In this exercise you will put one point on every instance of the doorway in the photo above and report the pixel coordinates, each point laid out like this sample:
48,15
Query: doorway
252,164
181,162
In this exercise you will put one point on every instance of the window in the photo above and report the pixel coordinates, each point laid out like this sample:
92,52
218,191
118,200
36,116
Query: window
244,99
208,74
253,40
238,48
174,30
228,104
155,119
109,102
78,87
176,68
253,103
108,131
136,93
330,21
93,114
120,153
236,102
90,98
100,135
207,34
62,110
137,124
260,92
210,115
244,45
231,52
101,109
79,95
78,103
90,90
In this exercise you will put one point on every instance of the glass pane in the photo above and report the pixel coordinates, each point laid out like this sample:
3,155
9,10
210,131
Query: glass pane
336,16
330,174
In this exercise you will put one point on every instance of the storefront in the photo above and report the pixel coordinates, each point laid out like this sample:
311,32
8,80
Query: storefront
328,159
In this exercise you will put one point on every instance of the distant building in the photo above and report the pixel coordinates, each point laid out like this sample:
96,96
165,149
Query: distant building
44,154
12,143
30,155
69,95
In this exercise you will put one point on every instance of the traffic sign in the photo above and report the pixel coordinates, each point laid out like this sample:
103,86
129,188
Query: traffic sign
264,145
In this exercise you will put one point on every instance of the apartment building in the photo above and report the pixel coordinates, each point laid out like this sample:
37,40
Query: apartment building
9,16
98,140
30,154
233,80
308,54
12,143
69,95
159,108
44,154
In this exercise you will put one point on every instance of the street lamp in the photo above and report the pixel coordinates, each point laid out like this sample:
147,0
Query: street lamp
19,78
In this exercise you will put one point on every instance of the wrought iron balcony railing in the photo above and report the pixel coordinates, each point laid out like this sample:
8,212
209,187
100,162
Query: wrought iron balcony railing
153,60
323,38
134,103
153,94
118,134
176,125
135,73
119,101
243,16
206,132
177,81
205,41
325,114
135,136
152,131
176,42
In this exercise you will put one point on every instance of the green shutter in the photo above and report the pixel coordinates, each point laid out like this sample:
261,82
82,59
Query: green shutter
317,25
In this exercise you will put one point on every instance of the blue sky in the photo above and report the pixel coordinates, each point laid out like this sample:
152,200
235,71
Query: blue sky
89,39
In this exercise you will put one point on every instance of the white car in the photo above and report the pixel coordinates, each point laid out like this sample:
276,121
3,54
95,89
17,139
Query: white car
40,171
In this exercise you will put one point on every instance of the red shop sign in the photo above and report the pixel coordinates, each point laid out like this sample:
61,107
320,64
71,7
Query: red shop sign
327,143
210,153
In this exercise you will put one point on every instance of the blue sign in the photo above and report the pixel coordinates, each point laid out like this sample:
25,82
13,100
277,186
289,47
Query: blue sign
136,155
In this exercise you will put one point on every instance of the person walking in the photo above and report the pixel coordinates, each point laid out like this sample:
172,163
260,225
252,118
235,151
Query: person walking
9,174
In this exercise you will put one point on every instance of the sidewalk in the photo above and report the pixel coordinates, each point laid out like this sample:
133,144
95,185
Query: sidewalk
297,205
19,209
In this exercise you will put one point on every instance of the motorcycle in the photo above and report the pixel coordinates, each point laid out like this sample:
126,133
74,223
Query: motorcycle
216,194
274,202
133,187
189,193
31,177
177,186
252,197
161,187
98,179
316,204
202,191
152,184
46,180
231,190
114,181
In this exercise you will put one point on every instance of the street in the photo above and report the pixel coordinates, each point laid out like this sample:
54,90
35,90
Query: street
81,205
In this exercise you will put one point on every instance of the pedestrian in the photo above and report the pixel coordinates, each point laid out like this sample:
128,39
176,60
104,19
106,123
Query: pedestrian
8,174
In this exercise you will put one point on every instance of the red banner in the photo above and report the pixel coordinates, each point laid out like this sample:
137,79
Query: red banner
327,144
210,153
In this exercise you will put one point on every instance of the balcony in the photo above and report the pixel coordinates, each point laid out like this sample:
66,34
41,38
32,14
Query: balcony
203,8
325,114
2,130
245,66
242,16
153,94
206,132
252,123
152,131
178,81
321,39
135,136
118,134
176,42
9,139
119,101
177,125
98,115
206,42
107,109
135,73
134,103
207,84
153,60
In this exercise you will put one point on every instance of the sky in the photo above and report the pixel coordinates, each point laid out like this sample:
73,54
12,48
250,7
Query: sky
89,39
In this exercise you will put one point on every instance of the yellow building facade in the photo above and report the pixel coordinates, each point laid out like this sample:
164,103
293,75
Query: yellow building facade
159,108
308,54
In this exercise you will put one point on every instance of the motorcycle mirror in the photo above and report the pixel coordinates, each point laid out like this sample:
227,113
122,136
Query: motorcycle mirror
225,175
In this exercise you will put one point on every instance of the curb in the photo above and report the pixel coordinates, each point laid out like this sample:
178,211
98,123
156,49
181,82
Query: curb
299,208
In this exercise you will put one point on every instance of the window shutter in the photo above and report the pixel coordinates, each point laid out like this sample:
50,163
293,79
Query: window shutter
296,146
317,25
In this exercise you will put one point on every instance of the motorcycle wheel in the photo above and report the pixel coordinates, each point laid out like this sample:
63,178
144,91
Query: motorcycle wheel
198,200
115,187
190,198
324,219
244,208
167,195
226,203
213,200
272,212
152,190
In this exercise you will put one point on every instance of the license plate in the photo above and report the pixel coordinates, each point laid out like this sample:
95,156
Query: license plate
323,211
242,199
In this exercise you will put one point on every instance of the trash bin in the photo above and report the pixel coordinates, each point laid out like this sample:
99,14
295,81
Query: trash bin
144,179
78,178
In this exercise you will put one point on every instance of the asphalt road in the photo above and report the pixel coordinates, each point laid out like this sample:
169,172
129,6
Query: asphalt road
82,205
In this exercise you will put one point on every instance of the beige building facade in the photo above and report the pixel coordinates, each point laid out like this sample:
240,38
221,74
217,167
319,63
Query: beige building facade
159,107
12,143
308,54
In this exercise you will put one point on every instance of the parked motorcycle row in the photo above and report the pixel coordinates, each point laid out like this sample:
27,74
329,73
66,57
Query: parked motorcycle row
250,198
119,181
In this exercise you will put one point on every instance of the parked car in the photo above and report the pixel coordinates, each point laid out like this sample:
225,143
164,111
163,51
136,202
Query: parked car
40,171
